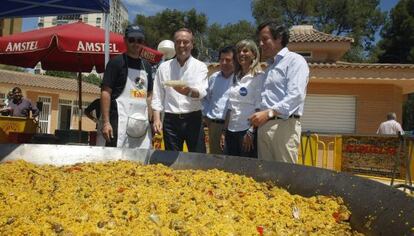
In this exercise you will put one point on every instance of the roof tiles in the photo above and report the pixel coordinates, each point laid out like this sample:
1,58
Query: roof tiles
43,81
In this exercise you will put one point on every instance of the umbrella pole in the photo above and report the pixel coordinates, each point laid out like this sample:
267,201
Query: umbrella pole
80,105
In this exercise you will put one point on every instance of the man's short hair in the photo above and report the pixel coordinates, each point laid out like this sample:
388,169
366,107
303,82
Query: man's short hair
228,49
277,31
16,89
391,116
184,30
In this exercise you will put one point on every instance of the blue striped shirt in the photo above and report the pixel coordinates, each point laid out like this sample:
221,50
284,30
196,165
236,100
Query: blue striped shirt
215,101
285,84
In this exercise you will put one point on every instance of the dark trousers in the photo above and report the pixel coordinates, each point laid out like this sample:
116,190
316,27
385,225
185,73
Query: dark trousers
234,144
178,128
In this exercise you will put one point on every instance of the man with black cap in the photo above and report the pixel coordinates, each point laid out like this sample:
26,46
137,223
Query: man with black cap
126,90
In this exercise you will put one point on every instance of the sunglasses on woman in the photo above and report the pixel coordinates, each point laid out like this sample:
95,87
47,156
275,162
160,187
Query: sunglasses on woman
135,40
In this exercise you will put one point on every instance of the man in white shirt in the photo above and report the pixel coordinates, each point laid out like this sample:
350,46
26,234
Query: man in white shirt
391,126
283,96
215,101
179,86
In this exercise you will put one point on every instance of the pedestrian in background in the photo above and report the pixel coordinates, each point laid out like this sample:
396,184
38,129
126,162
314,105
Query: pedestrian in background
391,126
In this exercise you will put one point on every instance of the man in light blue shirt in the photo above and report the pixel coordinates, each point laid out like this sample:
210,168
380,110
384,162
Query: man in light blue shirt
215,101
283,96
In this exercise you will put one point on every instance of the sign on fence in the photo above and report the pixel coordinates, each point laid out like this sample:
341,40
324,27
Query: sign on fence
372,155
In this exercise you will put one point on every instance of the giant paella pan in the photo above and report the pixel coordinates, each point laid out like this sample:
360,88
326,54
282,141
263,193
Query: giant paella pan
376,209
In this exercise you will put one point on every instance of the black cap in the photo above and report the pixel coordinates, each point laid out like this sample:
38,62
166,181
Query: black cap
134,31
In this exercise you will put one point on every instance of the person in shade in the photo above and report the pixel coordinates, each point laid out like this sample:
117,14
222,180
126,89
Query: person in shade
239,136
217,95
22,107
179,86
126,90
93,112
283,96
391,126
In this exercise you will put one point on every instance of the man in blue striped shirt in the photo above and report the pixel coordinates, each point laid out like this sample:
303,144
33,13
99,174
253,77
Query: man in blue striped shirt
215,101
283,96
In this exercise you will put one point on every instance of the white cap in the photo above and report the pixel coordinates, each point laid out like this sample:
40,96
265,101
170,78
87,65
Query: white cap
167,48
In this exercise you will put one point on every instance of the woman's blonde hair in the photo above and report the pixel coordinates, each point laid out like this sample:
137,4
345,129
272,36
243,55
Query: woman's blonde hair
250,45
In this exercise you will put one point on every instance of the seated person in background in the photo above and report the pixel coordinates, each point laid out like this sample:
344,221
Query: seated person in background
20,106
391,126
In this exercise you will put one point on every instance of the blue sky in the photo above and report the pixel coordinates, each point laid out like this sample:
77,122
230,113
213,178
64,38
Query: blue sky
217,11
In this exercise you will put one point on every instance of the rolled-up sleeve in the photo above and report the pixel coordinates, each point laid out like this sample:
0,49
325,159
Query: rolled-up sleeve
158,92
203,81
205,102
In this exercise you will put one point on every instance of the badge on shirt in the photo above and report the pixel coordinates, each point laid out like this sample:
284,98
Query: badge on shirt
142,93
243,91
139,83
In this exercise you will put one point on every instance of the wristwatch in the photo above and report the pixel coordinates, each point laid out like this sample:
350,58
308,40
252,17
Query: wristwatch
270,114
190,93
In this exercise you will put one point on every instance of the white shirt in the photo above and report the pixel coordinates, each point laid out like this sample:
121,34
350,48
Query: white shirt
285,85
164,98
390,127
244,99
215,101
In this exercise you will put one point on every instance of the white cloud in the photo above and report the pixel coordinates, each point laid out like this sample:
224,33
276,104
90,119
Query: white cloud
144,7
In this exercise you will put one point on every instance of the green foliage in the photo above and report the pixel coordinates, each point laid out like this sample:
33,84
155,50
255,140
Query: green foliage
408,113
92,79
163,25
219,37
61,74
397,44
12,68
208,39
352,18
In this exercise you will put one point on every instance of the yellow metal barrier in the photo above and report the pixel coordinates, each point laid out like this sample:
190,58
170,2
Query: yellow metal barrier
321,153
15,124
309,147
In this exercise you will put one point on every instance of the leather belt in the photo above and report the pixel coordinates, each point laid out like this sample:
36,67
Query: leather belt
183,115
292,116
217,121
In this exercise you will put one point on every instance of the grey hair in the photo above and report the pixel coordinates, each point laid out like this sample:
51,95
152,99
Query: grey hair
391,116
251,45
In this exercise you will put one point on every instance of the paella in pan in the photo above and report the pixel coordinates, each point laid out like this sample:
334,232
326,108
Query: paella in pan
128,198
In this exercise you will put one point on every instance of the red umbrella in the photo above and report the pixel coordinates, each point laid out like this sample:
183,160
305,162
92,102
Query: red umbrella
75,47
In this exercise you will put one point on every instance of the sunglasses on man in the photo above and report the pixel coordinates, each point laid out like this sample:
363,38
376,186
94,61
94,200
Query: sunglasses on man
135,40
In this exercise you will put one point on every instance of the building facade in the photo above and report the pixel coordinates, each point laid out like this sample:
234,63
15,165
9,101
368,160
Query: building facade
10,26
118,17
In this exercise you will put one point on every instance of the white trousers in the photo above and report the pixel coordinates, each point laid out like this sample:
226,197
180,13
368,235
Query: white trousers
278,140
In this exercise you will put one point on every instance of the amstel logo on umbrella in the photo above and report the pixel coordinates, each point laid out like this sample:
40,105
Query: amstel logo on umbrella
95,47
21,46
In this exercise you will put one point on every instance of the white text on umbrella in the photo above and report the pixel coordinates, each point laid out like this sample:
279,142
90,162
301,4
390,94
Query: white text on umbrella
21,46
95,47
